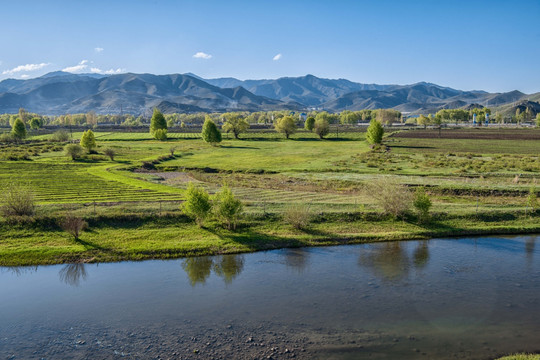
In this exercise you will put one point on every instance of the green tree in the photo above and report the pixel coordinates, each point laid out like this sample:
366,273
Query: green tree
538,120
197,204
18,129
210,132
35,123
88,140
285,125
375,132
227,208
423,121
310,123
422,204
499,118
157,122
73,150
322,128
236,124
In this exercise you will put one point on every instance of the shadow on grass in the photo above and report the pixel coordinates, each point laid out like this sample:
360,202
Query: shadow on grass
254,240
412,147
239,147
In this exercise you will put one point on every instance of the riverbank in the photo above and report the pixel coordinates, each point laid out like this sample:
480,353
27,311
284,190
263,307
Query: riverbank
111,239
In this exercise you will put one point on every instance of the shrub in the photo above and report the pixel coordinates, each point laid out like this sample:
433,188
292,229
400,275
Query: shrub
18,131
375,132
88,140
395,199
297,215
17,200
227,208
210,132
73,225
110,153
422,204
160,134
197,204
59,136
74,151
6,138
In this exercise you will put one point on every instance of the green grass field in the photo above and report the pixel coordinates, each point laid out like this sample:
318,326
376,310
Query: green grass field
476,185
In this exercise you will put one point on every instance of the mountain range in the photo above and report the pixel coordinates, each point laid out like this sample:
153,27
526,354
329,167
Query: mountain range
61,93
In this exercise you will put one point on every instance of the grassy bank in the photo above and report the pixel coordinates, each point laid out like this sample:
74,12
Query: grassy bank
171,235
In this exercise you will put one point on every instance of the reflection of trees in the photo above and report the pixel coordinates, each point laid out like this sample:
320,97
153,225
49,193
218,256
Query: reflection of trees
295,258
19,270
72,274
529,245
421,254
199,269
391,262
228,267
530,242
387,260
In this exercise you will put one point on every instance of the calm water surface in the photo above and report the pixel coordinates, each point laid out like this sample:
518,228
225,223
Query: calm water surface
471,298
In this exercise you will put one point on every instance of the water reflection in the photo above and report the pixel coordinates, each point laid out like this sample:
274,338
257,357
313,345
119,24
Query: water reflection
19,270
199,269
391,262
421,254
296,259
72,274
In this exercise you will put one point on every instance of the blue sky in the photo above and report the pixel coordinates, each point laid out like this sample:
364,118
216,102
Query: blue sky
488,45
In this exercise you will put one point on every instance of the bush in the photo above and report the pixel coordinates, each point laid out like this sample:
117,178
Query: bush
297,215
88,140
110,153
227,208
17,200
74,151
210,132
59,136
160,134
18,131
375,132
73,225
197,205
422,204
395,199
6,138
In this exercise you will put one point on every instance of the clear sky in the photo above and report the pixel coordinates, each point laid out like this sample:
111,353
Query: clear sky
488,45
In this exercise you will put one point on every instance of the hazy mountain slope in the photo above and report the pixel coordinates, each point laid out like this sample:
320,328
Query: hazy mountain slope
60,92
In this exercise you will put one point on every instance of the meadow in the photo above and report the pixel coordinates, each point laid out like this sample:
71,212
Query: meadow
477,182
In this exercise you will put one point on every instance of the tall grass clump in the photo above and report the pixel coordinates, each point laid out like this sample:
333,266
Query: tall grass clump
297,215
17,201
394,198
